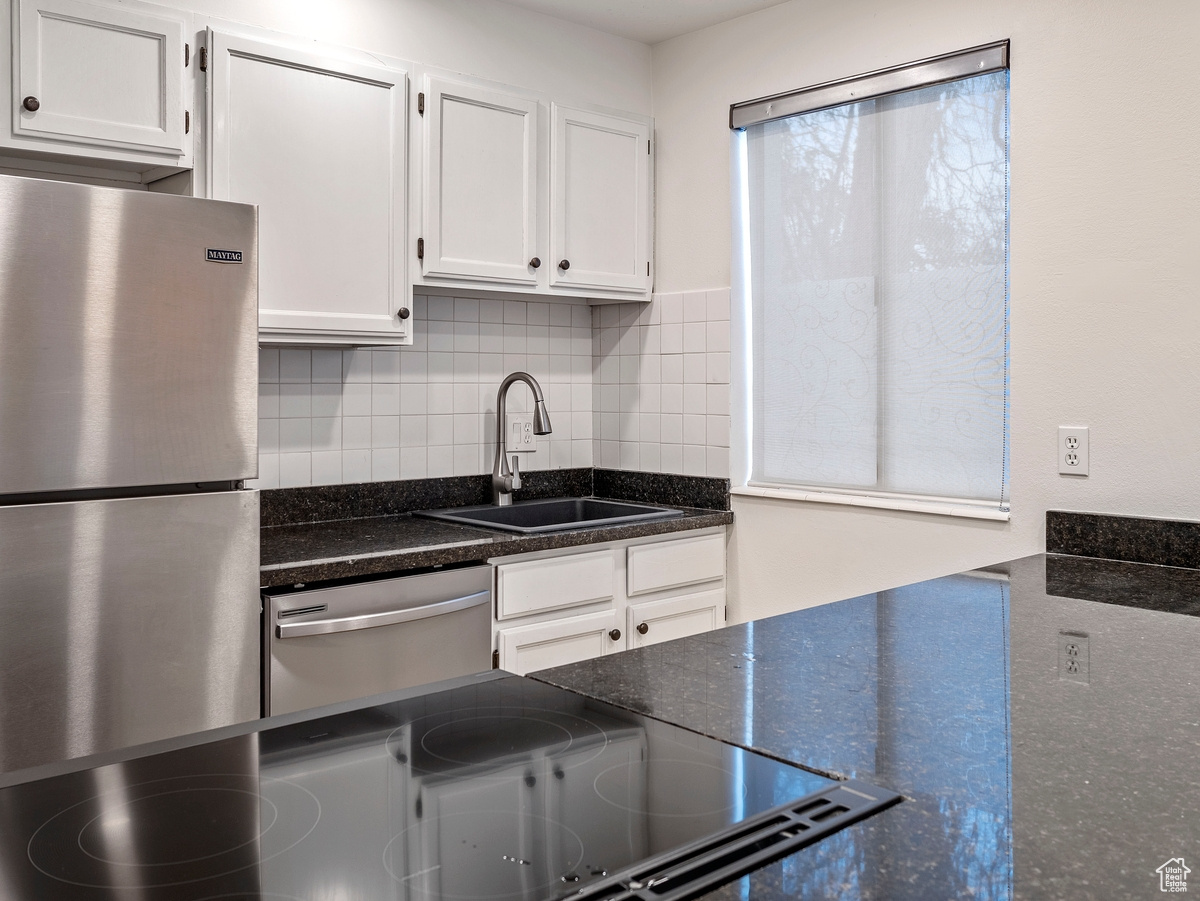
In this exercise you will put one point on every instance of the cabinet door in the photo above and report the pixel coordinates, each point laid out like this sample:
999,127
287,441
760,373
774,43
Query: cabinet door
524,649
656,621
319,145
100,75
600,201
480,184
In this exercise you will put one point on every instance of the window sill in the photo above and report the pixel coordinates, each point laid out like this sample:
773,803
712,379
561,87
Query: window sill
935,507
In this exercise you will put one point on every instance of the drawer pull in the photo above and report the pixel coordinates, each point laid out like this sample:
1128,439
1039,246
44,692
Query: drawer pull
643,628
615,634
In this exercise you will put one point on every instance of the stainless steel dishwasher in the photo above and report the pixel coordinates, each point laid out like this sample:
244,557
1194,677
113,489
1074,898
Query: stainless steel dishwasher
325,645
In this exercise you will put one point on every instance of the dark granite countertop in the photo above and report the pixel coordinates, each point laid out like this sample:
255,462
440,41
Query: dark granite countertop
1023,779
348,531
317,551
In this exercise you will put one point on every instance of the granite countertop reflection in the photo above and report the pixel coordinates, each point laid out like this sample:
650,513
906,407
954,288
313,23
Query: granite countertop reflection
1025,776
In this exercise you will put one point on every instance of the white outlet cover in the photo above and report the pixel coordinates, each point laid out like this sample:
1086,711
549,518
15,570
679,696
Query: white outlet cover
1073,457
518,433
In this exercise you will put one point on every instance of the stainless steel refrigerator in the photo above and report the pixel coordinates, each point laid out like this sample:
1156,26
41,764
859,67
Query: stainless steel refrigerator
129,603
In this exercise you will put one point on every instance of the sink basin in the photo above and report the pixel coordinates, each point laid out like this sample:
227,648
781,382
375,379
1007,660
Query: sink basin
551,515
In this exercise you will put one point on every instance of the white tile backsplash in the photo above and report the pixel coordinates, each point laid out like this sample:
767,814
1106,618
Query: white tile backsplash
673,415
637,386
326,467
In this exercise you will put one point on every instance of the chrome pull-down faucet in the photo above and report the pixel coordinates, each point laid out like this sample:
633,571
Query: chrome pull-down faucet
504,480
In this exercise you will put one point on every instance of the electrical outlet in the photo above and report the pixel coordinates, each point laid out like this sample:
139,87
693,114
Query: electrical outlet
1073,450
519,438
1073,662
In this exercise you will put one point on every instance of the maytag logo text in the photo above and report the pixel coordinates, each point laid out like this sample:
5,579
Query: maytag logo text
223,256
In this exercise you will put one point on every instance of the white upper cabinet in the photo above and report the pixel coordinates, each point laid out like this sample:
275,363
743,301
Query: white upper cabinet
599,201
97,79
480,209
519,200
319,143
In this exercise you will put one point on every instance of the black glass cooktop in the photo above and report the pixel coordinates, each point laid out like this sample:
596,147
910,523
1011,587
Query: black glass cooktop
501,789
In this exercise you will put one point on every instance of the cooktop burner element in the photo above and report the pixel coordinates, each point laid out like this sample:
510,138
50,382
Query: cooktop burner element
503,789
129,836
477,736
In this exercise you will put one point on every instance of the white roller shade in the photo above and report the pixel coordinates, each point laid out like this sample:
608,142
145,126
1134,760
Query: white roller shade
878,272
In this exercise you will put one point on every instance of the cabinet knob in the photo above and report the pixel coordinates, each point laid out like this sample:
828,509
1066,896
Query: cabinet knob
643,628
403,313
31,103
530,780
535,263
564,265
615,634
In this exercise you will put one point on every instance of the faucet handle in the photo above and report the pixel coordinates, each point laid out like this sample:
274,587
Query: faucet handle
516,474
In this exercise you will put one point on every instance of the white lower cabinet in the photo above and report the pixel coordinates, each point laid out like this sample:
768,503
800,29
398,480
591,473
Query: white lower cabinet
555,608
564,640
675,617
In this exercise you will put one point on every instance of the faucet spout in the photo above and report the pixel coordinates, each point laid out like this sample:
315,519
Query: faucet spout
503,479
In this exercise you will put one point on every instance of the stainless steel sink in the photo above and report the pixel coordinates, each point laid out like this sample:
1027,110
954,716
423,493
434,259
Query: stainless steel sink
551,515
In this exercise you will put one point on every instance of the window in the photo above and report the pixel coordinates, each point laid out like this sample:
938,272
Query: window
874,242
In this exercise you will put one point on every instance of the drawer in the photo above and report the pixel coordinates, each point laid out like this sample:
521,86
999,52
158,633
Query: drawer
524,649
554,583
671,564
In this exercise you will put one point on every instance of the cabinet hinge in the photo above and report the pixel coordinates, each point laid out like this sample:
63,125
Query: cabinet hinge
647,148
647,268
495,660
420,248
187,54
187,122
421,103
203,54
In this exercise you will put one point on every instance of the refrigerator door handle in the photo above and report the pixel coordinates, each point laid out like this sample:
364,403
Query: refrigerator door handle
384,618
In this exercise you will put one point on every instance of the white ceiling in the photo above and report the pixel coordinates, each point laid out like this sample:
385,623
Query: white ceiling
648,21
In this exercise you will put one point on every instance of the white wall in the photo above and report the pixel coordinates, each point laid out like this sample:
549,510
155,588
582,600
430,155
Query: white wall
1105,261
477,37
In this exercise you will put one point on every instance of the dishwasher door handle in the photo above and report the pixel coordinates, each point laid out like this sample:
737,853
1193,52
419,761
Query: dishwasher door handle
383,618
